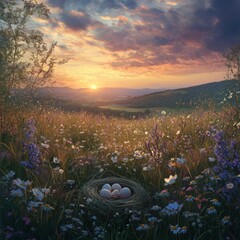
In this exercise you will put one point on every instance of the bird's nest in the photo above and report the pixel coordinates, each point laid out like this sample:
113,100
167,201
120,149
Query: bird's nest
137,200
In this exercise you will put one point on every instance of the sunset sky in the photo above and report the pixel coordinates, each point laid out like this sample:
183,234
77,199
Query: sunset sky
141,43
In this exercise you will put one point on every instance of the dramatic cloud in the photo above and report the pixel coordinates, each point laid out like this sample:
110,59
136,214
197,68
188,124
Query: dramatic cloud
166,34
98,5
77,20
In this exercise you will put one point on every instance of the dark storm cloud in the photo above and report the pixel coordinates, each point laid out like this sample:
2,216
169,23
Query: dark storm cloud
157,41
57,3
226,32
131,4
76,21
98,5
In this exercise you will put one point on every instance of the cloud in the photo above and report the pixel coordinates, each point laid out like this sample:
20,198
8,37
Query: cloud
57,3
226,30
131,4
189,32
77,20
97,5
153,33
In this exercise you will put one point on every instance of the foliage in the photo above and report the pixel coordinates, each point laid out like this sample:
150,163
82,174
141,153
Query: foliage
233,62
26,61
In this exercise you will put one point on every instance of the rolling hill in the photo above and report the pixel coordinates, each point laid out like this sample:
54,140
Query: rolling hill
90,95
185,97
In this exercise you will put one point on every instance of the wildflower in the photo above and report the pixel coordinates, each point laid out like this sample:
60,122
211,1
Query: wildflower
38,194
172,209
163,113
152,219
156,208
17,193
215,202
66,227
190,198
114,159
8,176
183,230
188,214
68,211
181,160
172,164
202,150
22,184
175,229
45,145
135,217
142,227
229,185
226,220
163,193
178,132
47,208
170,180
56,160
102,147
199,177
185,179
211,159
211,210
31,148
89,200
193,183
33,204
26,220
138,155
147,168
70,182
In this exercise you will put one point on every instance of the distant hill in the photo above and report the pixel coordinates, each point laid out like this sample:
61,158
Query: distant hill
184,97
91,95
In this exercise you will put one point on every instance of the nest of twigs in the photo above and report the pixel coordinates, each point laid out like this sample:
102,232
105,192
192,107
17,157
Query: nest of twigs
137,200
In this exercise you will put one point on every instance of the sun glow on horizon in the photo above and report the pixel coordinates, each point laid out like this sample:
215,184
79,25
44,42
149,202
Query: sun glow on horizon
93,87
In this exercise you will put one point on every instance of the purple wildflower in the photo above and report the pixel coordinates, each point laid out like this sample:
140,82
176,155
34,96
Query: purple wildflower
228,165
31,148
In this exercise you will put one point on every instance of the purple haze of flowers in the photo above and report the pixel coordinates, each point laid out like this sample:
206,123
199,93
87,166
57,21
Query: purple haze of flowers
228,159
228,164
31,148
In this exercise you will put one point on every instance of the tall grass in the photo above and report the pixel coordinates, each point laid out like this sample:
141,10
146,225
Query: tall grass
75,147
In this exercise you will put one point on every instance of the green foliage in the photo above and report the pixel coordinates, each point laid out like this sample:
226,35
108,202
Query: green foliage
25,59
233,62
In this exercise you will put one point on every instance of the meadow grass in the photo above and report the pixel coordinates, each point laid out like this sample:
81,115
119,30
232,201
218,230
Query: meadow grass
48,155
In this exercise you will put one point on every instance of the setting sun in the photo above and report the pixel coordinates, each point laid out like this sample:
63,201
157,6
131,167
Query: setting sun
94,87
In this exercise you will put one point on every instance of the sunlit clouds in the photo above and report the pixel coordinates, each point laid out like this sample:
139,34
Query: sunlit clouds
138,43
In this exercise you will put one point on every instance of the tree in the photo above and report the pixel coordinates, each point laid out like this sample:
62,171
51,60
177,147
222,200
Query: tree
233,63
233,72
26,61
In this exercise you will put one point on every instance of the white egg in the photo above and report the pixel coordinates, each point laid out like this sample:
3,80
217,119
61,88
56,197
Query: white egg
116,186
125,193
116,193
107,186
105,193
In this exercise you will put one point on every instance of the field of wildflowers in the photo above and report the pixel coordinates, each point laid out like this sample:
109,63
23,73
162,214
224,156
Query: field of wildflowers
189,165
